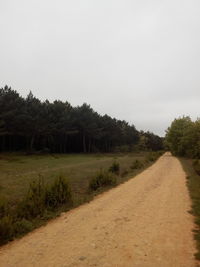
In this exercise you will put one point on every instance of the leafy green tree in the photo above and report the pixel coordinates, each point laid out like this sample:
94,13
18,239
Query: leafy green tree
150,141
177,135
191,140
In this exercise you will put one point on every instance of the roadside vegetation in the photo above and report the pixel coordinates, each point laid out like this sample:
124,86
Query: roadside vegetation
193,183
54,157
63,186
183,139
39,202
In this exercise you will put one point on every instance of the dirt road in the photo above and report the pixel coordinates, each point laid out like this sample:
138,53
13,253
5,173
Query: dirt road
141,223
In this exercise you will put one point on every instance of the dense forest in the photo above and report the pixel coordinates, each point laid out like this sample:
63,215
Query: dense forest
183,137
28,124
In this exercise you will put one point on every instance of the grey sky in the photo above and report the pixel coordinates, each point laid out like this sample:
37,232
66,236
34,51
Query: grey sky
134,60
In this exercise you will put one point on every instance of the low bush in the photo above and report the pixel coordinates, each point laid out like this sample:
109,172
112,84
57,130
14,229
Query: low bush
196,166
58,193
136,165
38,203
124,172
6,229
41,197
22,227
102,179
3,208
153,156
114,168
33,205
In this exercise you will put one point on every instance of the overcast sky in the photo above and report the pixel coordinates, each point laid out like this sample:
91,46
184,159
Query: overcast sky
134,60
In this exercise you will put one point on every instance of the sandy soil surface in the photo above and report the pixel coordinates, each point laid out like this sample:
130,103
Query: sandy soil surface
141,223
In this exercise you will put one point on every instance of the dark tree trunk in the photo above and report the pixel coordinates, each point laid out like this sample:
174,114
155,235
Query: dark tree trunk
3,143
89,145
84,144
32,142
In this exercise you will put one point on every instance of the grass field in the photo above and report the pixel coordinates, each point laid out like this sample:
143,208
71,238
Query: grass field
17,171
193,183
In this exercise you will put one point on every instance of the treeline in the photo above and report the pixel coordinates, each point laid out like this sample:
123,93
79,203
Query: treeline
32,125
183,137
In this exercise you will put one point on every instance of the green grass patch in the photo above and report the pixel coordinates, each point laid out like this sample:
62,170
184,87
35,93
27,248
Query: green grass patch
193,183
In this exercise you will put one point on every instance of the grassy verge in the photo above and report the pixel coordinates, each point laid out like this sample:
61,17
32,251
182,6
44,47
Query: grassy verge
35,189
193,183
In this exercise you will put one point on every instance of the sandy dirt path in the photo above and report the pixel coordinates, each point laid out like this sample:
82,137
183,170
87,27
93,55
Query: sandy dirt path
141,223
